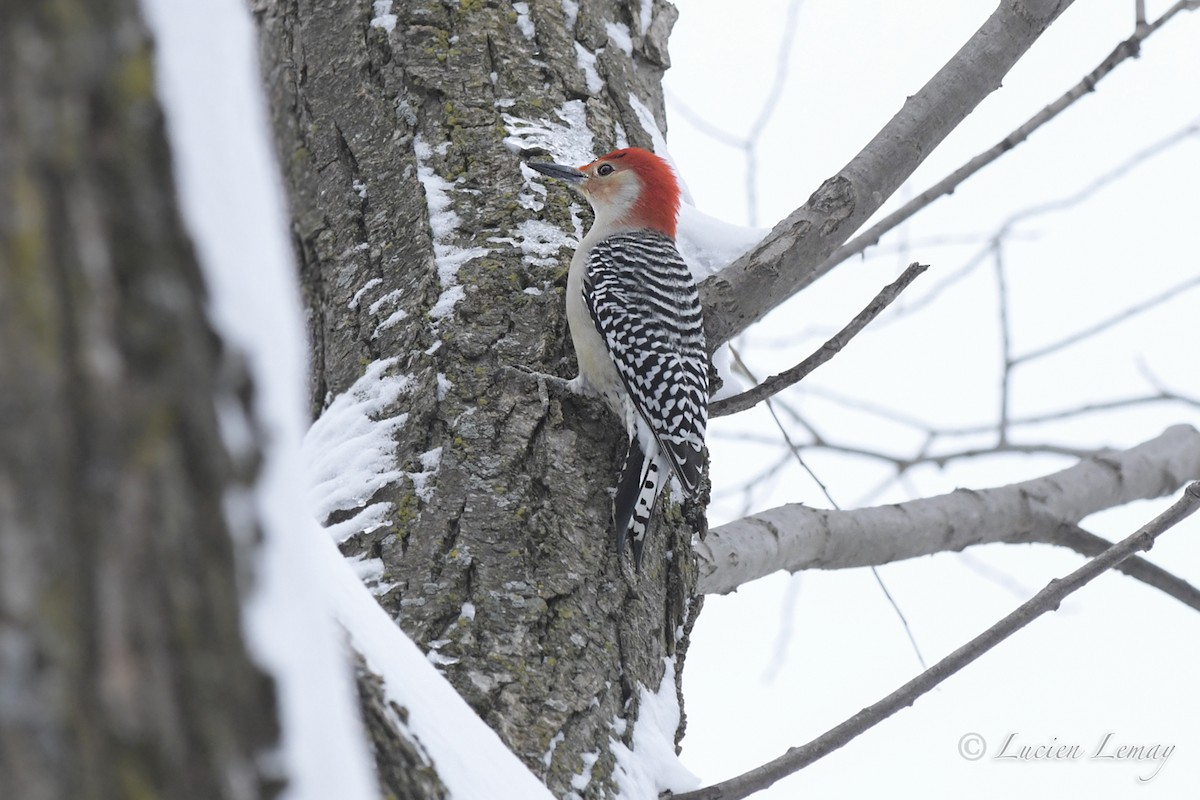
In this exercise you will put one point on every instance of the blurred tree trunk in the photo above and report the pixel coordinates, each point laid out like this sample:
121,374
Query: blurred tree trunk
123,671
498,547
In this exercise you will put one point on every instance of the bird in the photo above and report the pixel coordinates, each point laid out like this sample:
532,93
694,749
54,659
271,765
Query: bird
637,325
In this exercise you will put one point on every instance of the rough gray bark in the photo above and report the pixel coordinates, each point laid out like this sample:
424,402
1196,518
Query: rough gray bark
123,672
516,520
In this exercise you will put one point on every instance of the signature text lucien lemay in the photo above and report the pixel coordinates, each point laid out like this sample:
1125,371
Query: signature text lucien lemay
1110,748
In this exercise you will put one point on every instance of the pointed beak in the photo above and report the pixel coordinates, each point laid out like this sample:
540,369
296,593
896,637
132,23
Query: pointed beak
568,174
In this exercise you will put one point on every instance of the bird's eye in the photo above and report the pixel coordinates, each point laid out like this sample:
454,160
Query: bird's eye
605,169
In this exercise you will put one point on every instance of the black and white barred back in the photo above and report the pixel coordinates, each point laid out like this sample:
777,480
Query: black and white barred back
644,303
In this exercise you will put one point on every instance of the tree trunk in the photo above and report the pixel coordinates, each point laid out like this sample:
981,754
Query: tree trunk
123,671
412,225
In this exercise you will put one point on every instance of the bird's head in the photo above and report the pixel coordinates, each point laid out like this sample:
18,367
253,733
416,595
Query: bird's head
630,188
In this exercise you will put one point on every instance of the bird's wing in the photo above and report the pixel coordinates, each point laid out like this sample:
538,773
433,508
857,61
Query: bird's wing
643,301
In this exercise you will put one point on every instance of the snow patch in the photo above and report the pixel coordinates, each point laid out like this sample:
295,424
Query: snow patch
369,518
390,297
618,34
524,23
443,223
586,60
708,244
396,317
580,781
532,197
651,766
467,612
384,18
539,242
446,302
360,189
444,385
646,118
435,656
554,743
570,14
568,141
349,453
645,16
366,287
619,135
370,572
431,461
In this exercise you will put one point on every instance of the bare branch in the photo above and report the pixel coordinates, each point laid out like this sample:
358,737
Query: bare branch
1127,49
1048,599
794,537
791,257
777,383
1091,545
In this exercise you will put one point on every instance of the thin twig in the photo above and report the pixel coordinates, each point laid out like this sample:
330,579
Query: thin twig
1048,599
1007,228
1146,305
912,639
777,383
748,144
1127,49
768,109
792,447
1161,395
1089,544
795,451
1005,342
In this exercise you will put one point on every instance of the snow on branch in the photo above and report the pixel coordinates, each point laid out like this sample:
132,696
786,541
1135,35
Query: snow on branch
791,257
794,537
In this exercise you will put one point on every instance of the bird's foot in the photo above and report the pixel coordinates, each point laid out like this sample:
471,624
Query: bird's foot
547,385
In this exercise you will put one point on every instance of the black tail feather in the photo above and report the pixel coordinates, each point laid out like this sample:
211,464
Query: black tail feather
643,508
627,494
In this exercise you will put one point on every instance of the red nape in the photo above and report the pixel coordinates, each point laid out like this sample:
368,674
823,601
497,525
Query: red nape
657,206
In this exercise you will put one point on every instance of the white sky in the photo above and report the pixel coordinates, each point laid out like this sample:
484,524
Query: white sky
1118,657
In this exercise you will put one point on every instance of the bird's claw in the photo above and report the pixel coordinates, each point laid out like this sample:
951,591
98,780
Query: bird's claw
547,384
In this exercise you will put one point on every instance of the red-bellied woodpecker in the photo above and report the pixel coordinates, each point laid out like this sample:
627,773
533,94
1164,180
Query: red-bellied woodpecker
636,322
